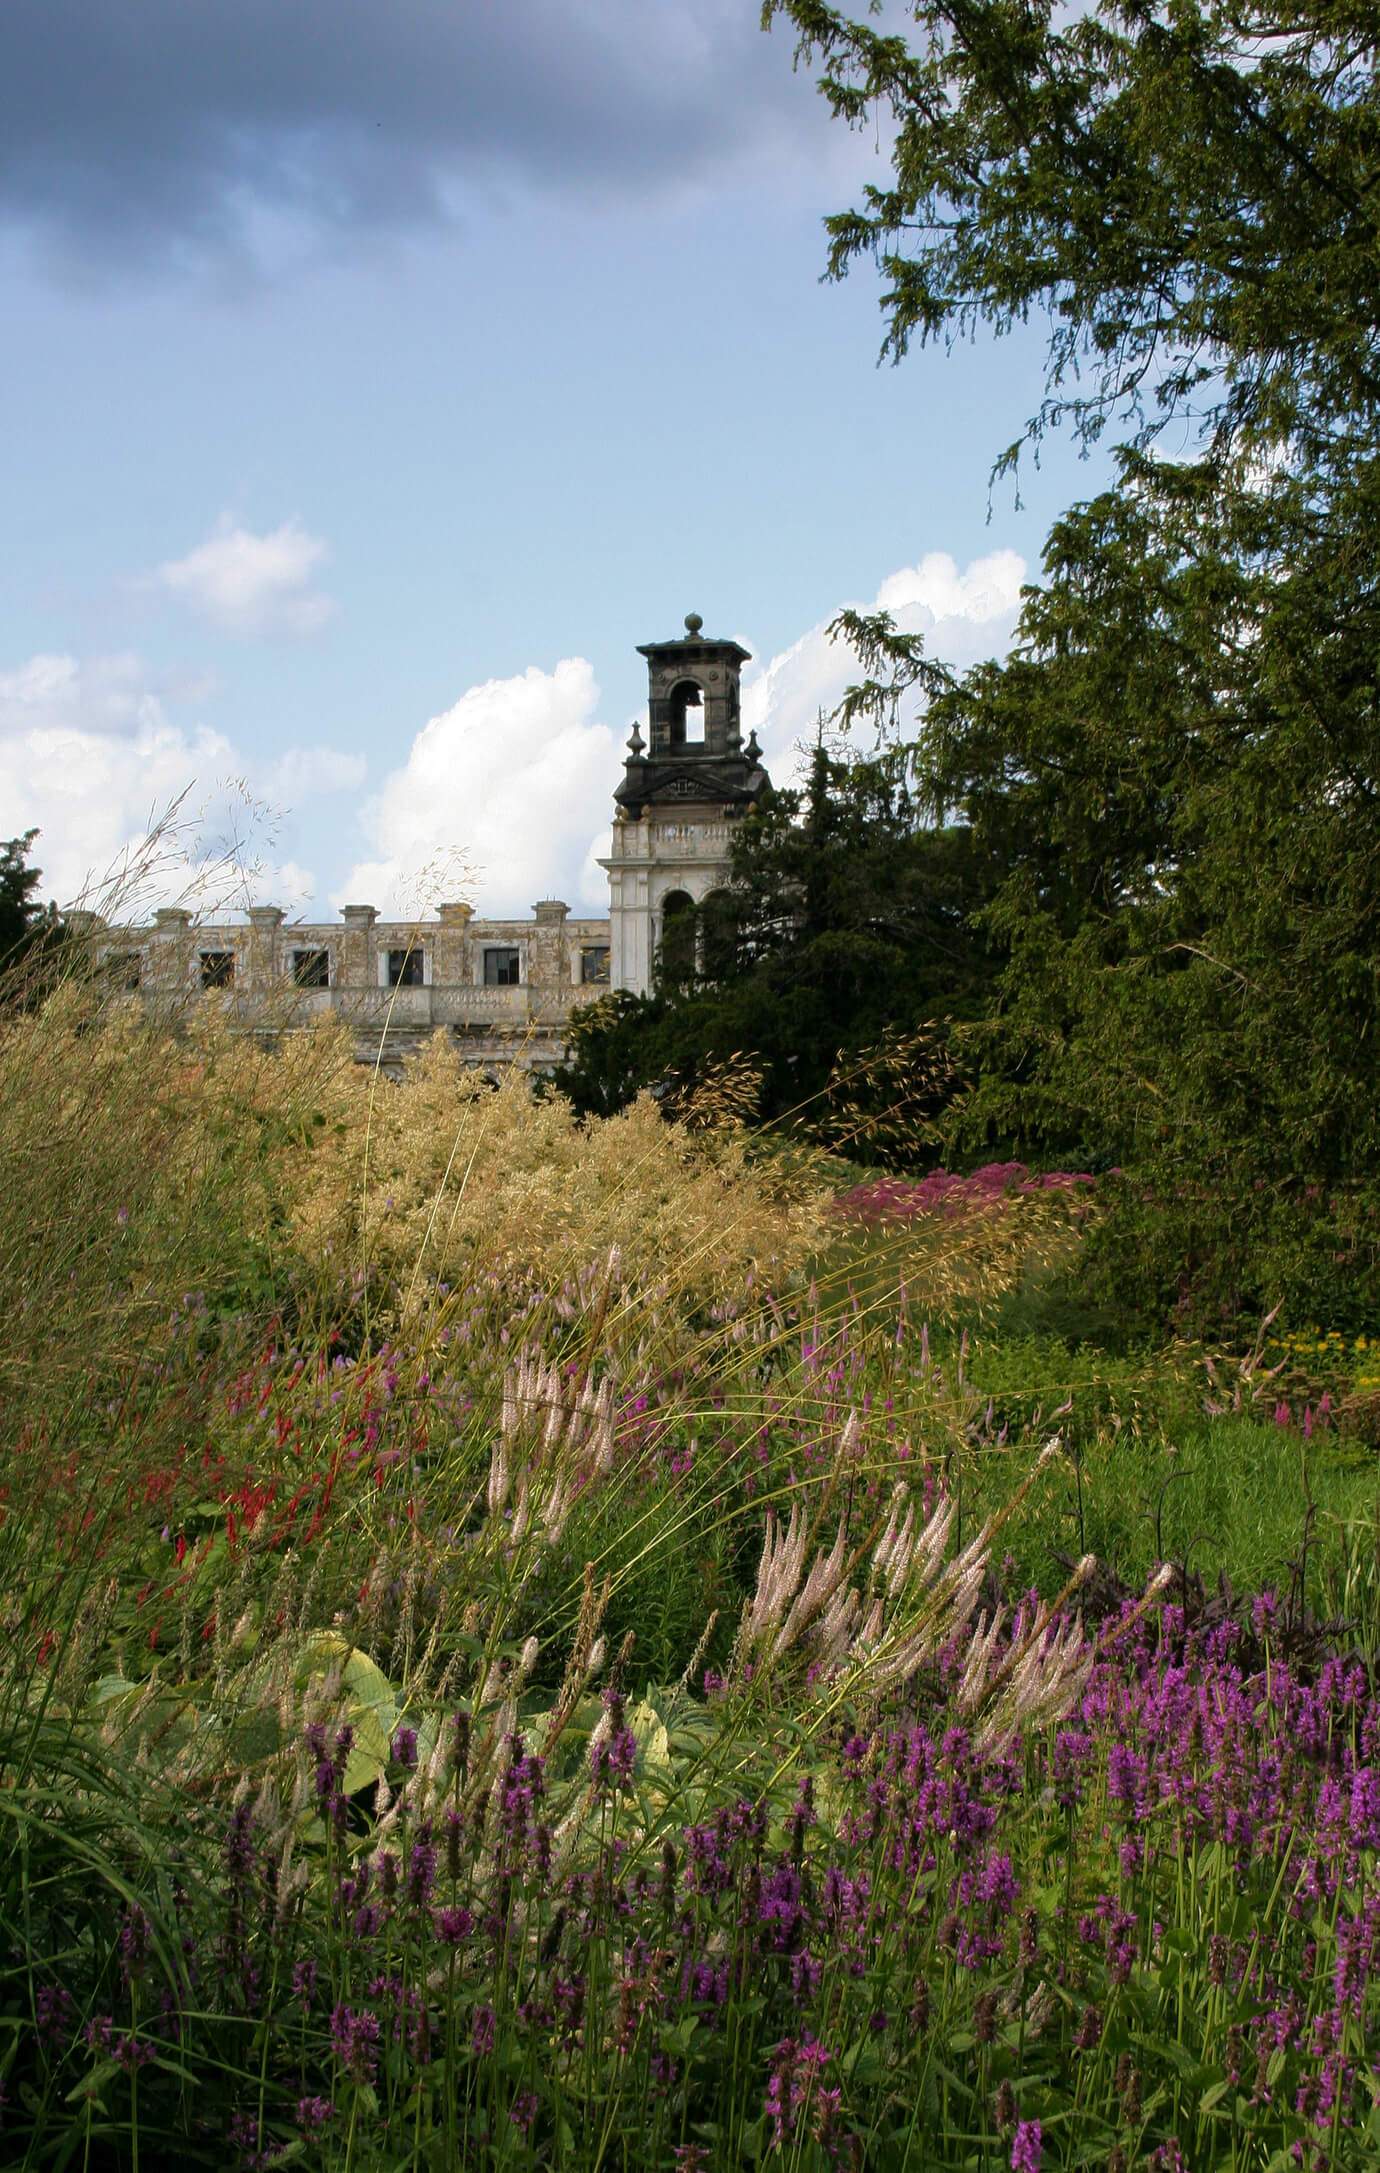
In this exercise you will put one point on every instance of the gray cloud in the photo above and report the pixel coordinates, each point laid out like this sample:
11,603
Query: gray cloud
160,128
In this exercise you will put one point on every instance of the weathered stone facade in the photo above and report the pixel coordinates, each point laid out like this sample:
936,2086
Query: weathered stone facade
504,990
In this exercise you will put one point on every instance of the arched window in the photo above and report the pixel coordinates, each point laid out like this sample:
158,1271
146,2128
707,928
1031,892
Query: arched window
678,931
687,713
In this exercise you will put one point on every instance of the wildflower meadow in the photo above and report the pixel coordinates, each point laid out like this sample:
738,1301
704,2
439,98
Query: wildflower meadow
629,1644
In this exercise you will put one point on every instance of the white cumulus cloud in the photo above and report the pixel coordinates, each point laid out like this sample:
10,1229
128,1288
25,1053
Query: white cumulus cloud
306,772
252,586
964,617
91,759
106,694
94,795
515,778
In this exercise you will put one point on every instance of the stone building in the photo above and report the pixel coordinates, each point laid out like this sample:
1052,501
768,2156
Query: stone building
504,990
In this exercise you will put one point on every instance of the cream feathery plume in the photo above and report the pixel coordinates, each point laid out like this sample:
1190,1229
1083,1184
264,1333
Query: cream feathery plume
778,1572
826,1572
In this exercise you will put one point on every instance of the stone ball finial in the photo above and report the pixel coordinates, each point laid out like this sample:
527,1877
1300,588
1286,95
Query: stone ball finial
693,623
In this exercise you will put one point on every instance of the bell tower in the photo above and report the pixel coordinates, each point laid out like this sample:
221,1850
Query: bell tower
683,789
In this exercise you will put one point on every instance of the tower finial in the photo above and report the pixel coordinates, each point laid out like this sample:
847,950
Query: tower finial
693,623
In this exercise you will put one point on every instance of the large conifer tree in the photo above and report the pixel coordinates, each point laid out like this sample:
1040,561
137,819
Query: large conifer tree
1178,772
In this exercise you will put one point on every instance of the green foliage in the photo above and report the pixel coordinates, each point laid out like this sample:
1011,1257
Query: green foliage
1177,770
24,921
18,881
1146,1476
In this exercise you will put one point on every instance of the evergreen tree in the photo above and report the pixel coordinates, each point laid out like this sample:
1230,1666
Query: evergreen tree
22,917
1178,772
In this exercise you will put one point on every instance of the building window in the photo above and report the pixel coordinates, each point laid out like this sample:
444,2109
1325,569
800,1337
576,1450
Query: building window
217,969
122,969
405,967
594,963
311,969
501,968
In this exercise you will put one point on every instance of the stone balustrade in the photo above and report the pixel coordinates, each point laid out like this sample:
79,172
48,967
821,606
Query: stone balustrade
503,989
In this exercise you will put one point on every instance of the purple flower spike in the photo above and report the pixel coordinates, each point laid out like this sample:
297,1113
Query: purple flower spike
355,2039
135,1932
405,1748
313,2113
613,1750
421,1872
1027,2147
54,2008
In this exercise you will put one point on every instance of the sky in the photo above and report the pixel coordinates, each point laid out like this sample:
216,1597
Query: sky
379,376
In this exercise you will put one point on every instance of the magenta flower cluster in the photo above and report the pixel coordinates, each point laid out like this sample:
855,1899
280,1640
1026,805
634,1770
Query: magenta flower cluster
895,1199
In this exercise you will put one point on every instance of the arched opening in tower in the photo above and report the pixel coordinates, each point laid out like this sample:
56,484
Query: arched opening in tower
678,938
687,714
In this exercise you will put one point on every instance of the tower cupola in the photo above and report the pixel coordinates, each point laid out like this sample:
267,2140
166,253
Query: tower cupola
694,749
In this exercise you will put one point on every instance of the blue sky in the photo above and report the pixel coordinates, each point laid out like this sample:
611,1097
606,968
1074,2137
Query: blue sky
378,377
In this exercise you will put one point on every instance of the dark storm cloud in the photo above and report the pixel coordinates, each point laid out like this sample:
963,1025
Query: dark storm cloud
147,125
